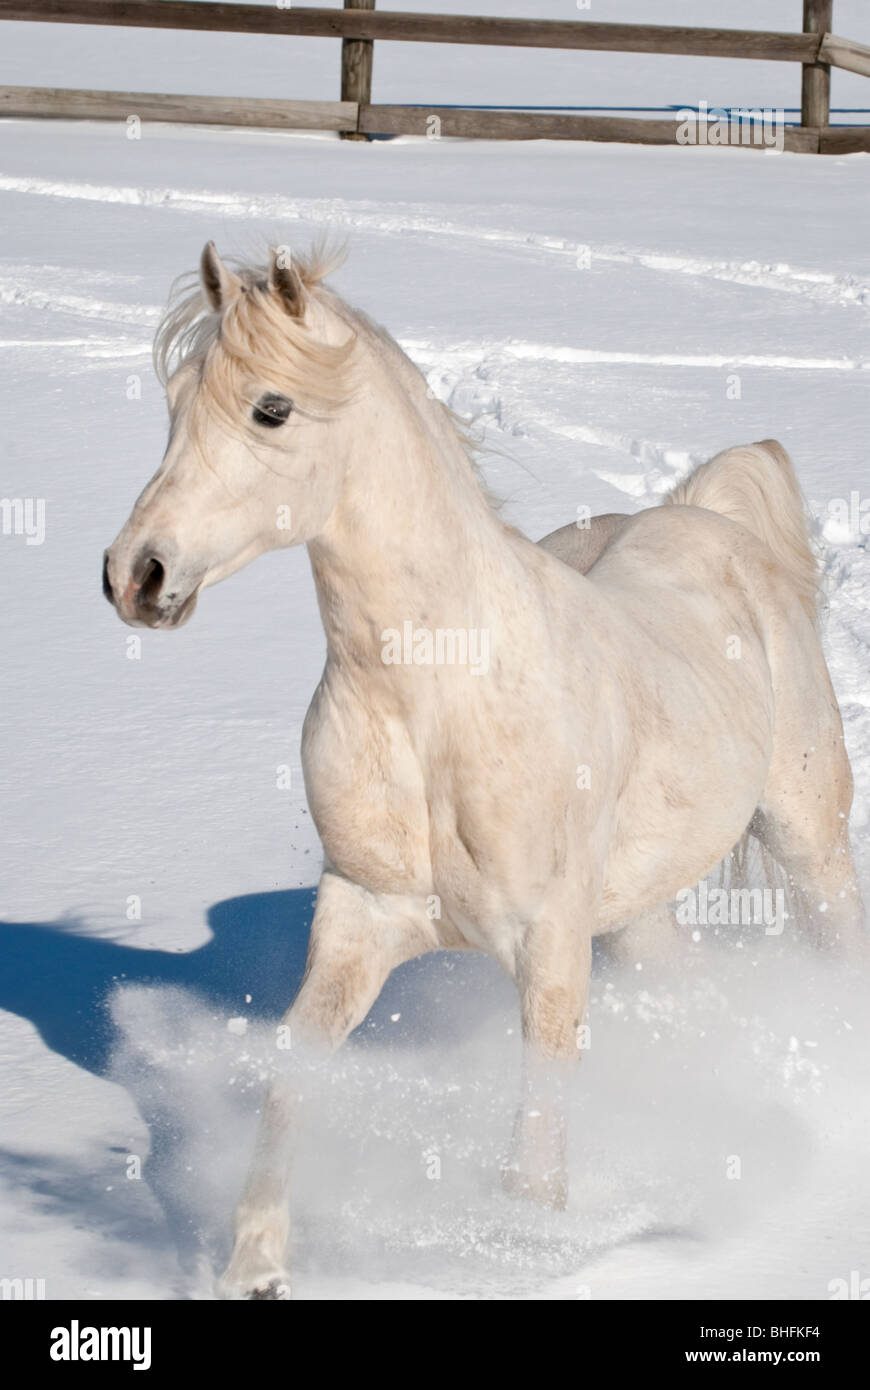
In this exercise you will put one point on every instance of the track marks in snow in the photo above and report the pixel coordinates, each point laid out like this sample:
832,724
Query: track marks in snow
81,353
663,465
14,293
521,351
79,305
821,286
478,392
39,287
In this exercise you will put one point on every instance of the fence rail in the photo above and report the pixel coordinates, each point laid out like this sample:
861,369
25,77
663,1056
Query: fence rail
404,27
359,24
845,53
69,102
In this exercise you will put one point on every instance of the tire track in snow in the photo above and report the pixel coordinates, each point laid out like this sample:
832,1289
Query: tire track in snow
817,285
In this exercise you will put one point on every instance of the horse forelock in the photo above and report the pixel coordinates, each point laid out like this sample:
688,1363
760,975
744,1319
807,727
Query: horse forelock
254,343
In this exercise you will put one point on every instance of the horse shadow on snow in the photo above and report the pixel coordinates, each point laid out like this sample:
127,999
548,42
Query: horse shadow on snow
69,984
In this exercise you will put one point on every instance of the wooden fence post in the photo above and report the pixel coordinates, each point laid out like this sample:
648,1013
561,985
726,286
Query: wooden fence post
816,84
357,56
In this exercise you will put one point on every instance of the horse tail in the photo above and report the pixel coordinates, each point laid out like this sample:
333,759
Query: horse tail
755,485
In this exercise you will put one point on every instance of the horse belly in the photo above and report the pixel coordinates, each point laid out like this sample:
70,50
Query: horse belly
670,834
693,776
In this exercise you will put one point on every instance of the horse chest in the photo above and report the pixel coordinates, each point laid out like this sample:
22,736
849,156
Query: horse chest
396,819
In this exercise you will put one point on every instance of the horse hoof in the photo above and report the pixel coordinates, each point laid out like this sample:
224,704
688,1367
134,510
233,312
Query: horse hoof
275,1290
549,1190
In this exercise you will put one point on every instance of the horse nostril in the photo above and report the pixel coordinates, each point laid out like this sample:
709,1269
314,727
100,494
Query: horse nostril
107,583
152,581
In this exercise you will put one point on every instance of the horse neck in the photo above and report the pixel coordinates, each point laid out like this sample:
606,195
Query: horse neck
412,537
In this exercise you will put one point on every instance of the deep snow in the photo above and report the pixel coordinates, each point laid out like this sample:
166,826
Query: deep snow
155,777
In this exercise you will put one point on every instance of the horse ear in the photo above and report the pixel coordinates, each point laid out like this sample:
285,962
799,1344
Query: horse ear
286,281
221,285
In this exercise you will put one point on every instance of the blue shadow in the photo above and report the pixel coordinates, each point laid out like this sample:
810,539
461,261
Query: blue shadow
61,979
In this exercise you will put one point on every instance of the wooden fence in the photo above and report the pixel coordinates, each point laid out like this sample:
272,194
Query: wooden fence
358,25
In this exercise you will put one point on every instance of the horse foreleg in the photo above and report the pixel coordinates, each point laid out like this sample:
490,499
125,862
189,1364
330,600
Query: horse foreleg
357,938
553,980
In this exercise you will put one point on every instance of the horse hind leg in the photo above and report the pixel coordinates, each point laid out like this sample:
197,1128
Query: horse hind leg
803,820
651,936
552,976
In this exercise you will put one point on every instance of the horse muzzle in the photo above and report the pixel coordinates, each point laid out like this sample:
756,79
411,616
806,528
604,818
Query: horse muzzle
150,591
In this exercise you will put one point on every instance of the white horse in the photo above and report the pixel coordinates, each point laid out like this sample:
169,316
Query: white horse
504,753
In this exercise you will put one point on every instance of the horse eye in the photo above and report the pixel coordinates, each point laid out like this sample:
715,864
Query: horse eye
272,410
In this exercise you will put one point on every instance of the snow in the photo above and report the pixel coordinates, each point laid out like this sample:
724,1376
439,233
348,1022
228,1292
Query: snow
598,309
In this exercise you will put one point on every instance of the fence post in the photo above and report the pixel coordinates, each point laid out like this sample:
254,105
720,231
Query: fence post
357,56
816,83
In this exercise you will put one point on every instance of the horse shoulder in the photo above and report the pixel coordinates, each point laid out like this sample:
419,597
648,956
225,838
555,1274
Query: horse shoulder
366,792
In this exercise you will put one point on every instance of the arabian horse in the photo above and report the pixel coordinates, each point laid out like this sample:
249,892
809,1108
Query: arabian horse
653,688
